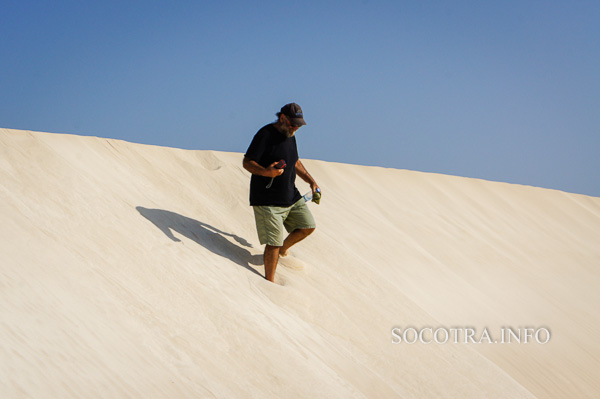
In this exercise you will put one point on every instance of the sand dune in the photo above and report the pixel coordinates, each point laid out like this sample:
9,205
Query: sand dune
134,271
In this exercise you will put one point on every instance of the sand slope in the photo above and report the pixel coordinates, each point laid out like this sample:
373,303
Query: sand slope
129,270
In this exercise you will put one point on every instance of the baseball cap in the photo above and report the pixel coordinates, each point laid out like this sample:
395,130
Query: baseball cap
294,113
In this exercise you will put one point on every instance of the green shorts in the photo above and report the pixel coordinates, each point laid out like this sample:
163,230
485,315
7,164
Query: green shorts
271,220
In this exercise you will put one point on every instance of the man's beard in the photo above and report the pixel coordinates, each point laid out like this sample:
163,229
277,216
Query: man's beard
287,132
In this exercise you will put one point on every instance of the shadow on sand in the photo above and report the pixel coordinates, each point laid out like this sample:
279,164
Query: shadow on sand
204,234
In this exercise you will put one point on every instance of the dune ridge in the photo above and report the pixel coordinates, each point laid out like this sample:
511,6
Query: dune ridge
131,270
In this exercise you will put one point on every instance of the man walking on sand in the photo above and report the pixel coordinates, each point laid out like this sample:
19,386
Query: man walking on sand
277,202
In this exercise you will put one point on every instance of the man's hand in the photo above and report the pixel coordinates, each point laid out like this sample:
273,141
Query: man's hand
273,171
314,187
254,168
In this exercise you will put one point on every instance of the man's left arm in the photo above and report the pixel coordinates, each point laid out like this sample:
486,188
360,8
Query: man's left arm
304,175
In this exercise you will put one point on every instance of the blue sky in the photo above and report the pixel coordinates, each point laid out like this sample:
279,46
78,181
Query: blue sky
506,91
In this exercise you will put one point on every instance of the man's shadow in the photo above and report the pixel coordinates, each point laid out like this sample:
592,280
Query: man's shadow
204,234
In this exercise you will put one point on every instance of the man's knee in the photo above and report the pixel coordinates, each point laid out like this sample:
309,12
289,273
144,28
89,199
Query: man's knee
307,232
272,247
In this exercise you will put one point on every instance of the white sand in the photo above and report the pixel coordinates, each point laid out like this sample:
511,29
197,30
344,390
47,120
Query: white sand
133,271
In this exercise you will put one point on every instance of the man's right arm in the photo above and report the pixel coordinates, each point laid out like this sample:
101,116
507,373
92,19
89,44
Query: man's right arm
254,168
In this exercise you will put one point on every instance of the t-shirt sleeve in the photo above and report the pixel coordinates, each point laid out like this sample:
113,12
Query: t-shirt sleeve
257,146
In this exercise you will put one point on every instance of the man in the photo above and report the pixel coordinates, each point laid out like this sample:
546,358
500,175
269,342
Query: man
277,202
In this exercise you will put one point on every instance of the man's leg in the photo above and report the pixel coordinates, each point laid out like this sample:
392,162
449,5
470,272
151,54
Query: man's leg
300,223
271,257
295,237
270,229
270,223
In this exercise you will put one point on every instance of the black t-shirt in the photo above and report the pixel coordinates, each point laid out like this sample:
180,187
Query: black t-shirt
270,145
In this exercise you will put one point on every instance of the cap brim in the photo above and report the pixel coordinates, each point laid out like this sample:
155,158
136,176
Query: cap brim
298,121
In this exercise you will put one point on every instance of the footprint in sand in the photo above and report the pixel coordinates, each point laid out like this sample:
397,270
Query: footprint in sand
292,263
279,280
263,284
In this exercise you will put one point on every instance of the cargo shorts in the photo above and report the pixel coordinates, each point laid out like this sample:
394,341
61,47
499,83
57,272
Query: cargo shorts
272,220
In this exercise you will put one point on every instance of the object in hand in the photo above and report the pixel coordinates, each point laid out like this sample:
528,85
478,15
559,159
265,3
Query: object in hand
280,164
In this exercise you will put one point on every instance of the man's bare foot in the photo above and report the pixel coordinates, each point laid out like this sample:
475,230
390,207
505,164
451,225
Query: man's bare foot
284,252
